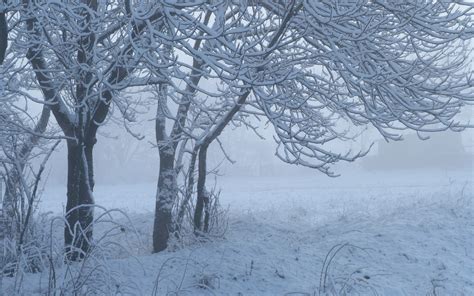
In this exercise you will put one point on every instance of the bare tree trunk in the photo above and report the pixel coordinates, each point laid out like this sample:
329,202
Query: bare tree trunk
202,195
3,36
166,194
167,187
80,200
189,188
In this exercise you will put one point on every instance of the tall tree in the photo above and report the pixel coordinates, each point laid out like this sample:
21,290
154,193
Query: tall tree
82,54
393,66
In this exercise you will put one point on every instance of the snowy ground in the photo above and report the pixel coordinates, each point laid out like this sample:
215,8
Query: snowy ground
400,233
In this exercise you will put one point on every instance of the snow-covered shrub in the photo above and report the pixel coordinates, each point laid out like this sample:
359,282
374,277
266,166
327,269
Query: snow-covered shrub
215,222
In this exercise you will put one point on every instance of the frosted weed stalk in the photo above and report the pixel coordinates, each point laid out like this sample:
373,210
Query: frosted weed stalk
216,222
94,274
342,279
172,282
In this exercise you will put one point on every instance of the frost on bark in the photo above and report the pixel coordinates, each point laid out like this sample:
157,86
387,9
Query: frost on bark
78,86
202,199
167,187
167,190
80,201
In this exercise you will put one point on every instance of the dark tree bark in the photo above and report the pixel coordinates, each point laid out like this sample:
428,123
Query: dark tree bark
202,200
167,187
166,194
80,201
91,114
3,36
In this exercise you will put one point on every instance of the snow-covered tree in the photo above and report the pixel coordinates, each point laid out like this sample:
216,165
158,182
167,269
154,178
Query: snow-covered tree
393,65
23,137
222,43
313,70
81,54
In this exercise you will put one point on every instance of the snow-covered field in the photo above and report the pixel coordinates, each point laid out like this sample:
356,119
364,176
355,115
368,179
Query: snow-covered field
399,233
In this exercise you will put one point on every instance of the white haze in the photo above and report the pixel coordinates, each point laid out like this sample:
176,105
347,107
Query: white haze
120,158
